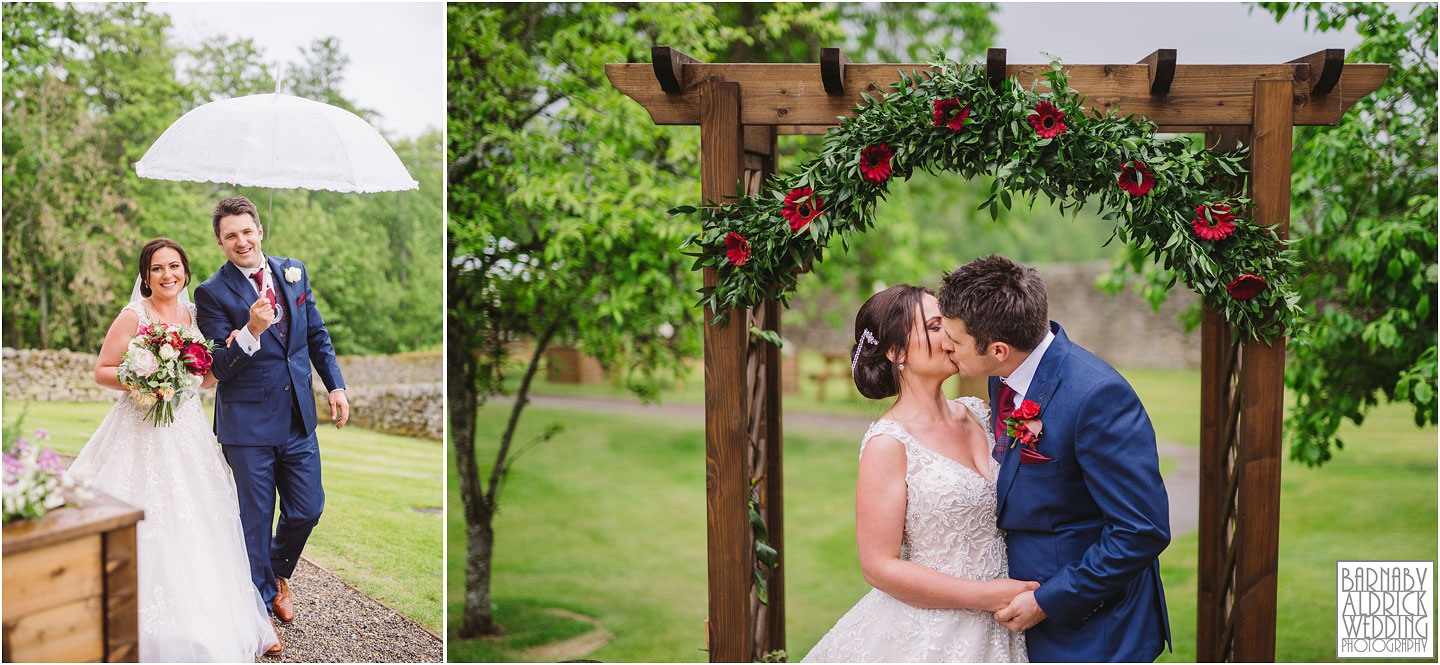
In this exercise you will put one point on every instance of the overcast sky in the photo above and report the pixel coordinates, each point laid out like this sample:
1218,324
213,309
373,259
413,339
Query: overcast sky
397,50
1124,32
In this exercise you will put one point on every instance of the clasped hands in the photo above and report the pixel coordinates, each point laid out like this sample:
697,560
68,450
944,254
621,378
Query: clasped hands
1023,611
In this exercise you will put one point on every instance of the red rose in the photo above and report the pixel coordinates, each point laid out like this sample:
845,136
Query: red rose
949,113
1027,410
1136,179
1245,286
737,249
875,163
802,205
1025,436
1214,221
197,358
1047,120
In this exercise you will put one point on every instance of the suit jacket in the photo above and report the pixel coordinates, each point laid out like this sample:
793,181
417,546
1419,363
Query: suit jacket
1091,524
258,394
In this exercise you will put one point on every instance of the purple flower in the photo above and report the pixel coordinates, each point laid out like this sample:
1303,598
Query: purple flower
22,447
13,468
50,461
42,434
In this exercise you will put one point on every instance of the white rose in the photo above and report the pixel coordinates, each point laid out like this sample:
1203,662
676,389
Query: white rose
168,353
292,274
142,362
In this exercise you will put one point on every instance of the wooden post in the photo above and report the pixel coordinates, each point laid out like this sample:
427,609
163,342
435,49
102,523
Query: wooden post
1262,386
1216,368
727,488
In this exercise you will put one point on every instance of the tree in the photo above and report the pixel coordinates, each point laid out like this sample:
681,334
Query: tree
1365,197
557,187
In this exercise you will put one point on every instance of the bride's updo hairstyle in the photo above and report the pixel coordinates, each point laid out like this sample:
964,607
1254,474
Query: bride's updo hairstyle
148,252
889,316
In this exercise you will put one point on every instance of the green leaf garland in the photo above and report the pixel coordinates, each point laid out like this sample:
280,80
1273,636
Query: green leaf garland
1247,275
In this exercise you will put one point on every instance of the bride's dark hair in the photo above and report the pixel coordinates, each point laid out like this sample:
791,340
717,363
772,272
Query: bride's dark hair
890,317
148,251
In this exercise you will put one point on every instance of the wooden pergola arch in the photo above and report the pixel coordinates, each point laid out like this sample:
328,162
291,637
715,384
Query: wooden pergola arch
742,107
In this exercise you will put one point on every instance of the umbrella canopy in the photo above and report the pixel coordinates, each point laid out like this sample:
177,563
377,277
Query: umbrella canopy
276,140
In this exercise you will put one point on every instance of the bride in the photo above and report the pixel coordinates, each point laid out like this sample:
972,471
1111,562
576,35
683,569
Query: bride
197,603
924,503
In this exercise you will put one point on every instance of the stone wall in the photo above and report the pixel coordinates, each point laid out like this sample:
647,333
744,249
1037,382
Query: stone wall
1122,329
397,394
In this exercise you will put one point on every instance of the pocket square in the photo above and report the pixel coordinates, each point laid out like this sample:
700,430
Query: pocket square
300,300
1028,456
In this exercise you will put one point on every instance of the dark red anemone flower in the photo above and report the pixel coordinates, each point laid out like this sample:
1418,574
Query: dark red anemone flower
1214,221
1136,179
1047,120
949,113
737,249
875,163
1245,286
802,205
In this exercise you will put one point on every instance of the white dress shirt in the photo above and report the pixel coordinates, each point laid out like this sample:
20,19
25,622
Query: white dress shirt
1019,380
248,342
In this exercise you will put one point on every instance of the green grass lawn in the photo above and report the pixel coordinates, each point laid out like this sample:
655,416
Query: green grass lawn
371,534
608,520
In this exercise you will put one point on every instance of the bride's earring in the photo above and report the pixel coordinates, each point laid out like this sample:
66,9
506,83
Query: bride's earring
902,367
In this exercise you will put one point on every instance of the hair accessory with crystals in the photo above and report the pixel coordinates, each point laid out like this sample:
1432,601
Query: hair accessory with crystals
865,337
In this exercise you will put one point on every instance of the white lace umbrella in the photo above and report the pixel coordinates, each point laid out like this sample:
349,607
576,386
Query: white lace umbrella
278,141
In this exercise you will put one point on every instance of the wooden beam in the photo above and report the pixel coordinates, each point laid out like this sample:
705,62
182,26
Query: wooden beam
774,486
1325,68
995,66
727,487
669,66
806,130
792,94
1262,383
832,70
1162,70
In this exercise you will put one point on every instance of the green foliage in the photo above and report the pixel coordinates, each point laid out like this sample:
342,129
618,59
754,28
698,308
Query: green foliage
1364,195
88,89
997,140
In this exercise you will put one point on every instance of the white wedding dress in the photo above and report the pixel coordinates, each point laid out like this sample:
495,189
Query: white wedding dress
197,603
949,527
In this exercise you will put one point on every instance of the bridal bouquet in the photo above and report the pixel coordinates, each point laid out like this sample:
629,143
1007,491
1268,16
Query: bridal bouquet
163,367
35,480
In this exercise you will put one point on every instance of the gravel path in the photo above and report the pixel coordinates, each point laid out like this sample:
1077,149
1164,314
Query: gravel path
336,623
1182,485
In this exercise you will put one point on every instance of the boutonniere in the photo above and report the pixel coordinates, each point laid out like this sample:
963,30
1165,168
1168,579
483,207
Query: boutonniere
292,274
1024,427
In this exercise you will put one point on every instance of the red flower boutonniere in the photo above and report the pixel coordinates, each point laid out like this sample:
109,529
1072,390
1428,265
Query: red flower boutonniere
1024,427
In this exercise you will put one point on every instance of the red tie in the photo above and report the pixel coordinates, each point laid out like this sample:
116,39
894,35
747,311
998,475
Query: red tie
259,277
1007,409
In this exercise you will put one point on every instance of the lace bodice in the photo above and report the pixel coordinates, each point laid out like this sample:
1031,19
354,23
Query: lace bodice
949,508
139,308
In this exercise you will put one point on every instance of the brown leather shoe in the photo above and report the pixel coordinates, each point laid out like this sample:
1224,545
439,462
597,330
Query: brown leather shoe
284,602
275,650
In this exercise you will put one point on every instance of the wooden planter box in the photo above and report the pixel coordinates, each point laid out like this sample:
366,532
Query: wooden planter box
70,585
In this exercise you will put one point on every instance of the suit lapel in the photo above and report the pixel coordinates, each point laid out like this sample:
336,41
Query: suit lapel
1042,387
233,278
277,271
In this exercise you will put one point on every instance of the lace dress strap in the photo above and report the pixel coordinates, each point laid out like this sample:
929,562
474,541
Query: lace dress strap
981,409
889,427
139,308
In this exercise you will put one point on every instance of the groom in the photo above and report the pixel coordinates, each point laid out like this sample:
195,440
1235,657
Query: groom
264,409
1082,504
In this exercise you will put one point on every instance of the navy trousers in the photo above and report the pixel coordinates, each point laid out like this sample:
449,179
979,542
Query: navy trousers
291,470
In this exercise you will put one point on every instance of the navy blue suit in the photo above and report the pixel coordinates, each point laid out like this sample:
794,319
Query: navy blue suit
1091,524
265,412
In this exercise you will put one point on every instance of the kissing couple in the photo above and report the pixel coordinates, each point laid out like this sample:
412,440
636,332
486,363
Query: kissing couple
211,571
1025,528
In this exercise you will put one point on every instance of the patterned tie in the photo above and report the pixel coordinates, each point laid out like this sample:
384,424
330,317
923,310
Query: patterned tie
1007,409
259,277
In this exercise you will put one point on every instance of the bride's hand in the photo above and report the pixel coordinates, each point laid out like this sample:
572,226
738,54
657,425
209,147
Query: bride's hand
231,338
1004,590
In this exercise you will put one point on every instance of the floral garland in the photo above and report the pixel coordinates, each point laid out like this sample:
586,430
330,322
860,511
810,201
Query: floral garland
1171,200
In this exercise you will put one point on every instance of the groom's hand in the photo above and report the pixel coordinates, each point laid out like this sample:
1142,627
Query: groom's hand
261,316
339,408
1022,613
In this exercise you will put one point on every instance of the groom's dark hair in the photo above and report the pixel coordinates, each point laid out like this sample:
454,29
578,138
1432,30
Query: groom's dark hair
999,300
235,205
